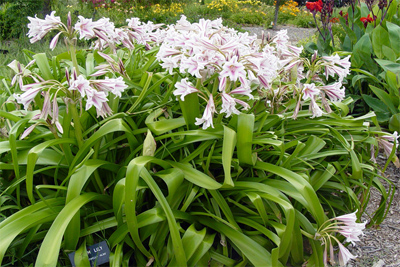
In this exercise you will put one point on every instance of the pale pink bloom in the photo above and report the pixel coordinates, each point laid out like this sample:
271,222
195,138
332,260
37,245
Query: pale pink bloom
325,255
183,24
170,63
217,23
31,90
292,51
281,39
348,219
46,109
85,27
233,69
229,105
350,229
109,59
203,26
59,126
264,82
206,43
88,29
55,115
167,52
28,131
314,56
315,109
38,28
193,66
113,66
115,86
334,91
228,46
122,36
386,145
336,66
242,91
331,254
81,84
351,233
183,88
20,71
95,98
133,23
309,91
335,59
207,119
54,41
104,111
344,255
392,138
102,70
222,84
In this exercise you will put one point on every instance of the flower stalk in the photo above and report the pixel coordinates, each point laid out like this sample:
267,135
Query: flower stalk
77,124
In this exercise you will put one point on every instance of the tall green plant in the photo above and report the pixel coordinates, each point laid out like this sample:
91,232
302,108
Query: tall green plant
370,33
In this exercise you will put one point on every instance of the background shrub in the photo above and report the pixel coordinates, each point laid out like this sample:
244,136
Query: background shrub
13,14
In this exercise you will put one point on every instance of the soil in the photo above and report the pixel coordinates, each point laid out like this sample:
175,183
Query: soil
380,245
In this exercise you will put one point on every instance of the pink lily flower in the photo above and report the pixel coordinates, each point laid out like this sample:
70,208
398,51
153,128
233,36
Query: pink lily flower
183,88
38,28
344,255
207,119
233,69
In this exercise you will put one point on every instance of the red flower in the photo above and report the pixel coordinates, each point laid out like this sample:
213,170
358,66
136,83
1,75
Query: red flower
334,20
314,7
366,20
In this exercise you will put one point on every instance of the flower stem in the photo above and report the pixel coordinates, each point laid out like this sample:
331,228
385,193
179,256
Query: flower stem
307,234
73,56
77,124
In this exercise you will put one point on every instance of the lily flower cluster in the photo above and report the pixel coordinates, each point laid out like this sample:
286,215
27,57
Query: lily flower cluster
104,31
346,226
228,67
77,88
74,90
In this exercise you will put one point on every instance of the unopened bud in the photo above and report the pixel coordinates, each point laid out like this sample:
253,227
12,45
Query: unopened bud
149,145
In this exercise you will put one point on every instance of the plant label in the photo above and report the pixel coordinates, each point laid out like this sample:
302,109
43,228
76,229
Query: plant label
98,254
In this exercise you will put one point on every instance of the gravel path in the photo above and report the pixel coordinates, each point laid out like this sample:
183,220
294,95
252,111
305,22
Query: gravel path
295,34
380,246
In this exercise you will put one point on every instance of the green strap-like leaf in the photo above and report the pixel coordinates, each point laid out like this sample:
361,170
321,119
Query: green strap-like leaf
245,129
228,146
301,185
135,170
253,251
49,250
44,66
33,156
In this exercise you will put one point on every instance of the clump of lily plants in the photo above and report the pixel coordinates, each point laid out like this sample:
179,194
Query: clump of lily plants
182,145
